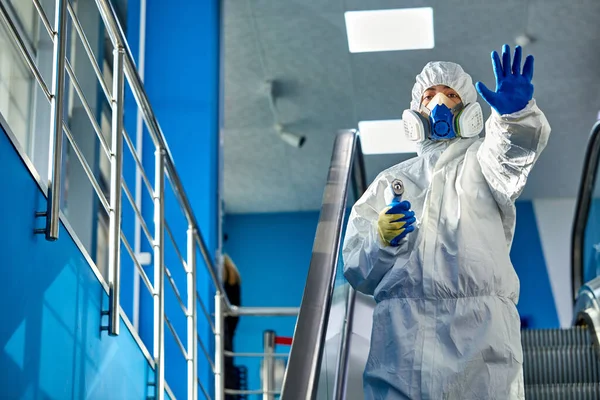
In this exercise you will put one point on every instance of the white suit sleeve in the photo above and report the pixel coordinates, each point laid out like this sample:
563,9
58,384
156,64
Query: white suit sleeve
366,258
512,144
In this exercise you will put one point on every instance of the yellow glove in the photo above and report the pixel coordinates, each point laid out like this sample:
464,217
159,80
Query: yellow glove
395,222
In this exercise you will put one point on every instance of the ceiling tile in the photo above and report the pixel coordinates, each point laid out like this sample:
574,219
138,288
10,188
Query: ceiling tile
323,88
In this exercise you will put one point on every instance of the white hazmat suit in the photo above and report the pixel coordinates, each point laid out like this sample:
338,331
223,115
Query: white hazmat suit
446,324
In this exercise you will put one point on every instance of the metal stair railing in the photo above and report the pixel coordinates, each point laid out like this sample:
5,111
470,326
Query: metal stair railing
124,72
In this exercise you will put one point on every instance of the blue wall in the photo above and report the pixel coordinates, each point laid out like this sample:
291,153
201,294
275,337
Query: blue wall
272,252
51,344
536,304
182,81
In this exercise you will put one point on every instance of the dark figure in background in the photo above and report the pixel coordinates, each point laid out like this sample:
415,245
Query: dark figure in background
231,284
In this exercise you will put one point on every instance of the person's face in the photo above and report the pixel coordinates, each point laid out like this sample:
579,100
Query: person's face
432,91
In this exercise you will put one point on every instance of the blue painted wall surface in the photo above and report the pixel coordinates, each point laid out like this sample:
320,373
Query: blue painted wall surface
182,82
51,344
536,304
272,252
182,78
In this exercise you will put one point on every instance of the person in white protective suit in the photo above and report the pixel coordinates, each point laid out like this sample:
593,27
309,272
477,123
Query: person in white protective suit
430,239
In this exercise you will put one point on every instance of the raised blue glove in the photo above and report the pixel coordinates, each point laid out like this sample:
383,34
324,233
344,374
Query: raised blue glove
513,88
395,222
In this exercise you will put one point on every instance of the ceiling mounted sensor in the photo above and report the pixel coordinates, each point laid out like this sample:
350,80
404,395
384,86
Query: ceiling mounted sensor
290,138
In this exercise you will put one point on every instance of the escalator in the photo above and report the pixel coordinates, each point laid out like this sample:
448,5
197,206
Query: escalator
560,364
332,336
564,364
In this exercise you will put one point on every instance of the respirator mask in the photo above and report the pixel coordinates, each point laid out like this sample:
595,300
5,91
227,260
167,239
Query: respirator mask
441,119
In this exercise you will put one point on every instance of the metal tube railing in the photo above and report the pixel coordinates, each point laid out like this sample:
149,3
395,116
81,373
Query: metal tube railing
342,365
159,274
175,247
143,226
204,391
138,163
220,353
302,375
56,121
206,313
582,210
88,50
269,363
176,337
176,291
206,353
137,265
27,56
116,171
268,368
87,108
44,17
254,355
263,311
219,347
209,263
86,168
191,317
252,392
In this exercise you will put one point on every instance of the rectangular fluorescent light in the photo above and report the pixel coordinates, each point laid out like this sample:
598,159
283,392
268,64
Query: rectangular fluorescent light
384,137
390,30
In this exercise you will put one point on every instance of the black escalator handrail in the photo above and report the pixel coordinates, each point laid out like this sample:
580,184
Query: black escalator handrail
304,364
582,210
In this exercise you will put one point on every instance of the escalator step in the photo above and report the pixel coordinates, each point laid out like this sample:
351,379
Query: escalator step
555,337
587,391
560,365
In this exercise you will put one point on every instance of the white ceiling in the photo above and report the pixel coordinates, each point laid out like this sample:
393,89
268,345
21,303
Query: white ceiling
323,88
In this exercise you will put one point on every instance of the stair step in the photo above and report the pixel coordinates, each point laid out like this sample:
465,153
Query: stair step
556,337
586,391
560,365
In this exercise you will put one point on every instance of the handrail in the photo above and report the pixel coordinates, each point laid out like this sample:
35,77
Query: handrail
302,374
158,296
582,210
116,179
56,123
359,186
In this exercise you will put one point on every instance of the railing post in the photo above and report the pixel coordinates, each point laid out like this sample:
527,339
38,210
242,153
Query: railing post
192,316
116,174
219,347
341,371
56,121
268,369
159,274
